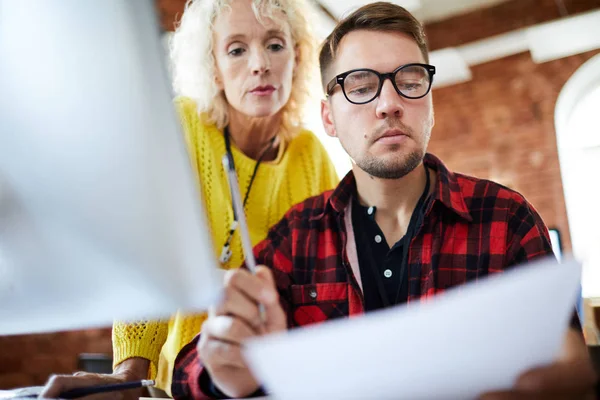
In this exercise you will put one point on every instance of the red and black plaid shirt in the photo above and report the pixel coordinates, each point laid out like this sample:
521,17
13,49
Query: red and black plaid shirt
472,227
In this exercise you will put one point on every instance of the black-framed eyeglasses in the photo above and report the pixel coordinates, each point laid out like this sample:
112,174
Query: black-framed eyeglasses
361,86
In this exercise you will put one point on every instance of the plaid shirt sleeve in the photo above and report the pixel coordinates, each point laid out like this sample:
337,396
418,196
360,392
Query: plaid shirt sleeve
190,378
186,373
528,236
529,240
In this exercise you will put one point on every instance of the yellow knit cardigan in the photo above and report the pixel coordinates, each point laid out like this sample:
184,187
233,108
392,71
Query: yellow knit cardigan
301,170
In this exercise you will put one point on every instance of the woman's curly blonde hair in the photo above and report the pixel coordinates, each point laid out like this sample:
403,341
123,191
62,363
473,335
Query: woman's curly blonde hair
193,64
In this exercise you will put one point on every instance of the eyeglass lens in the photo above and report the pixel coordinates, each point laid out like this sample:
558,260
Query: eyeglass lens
362,86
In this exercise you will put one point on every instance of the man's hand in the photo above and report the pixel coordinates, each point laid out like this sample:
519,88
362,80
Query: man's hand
129,370
571,377
235,320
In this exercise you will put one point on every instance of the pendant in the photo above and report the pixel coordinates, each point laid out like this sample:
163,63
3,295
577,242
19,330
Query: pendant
225,254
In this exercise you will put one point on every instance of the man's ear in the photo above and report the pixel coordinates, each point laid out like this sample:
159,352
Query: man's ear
432,111
327,118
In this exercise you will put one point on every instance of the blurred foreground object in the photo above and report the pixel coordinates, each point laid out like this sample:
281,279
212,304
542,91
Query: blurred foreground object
100,214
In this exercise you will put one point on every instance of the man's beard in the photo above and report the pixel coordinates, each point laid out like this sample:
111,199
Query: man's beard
395,169
402,164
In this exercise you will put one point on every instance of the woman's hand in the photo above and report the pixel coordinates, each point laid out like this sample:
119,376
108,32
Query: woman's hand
129,370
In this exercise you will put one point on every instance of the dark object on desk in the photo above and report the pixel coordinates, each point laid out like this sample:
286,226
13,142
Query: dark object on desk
595,355
95,362
596,311
86,391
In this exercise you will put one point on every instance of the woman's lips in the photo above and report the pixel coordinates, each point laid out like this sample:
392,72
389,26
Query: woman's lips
263,91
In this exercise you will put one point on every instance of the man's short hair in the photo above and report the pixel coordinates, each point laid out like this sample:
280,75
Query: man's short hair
380,16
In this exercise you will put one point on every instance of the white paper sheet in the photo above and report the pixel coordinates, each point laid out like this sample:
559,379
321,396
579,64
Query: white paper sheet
466,342
101,216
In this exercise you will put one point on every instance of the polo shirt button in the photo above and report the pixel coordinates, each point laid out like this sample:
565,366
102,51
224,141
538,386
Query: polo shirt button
313,294
387,273
370,210
377,238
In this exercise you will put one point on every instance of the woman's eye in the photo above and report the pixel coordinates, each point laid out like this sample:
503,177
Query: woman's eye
238,51
275,47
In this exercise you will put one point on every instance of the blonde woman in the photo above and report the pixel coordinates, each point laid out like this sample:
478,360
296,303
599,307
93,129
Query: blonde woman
241,68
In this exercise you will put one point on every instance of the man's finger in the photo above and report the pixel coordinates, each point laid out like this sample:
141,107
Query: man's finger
228,329
276,318
237,304
506,395
552,382
249,284
517,395
225,354
557,377
217,353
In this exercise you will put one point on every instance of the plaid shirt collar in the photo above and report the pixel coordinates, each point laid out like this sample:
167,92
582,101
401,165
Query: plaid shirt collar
447,191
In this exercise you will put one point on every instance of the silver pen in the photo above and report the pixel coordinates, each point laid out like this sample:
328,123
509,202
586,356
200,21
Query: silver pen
238,207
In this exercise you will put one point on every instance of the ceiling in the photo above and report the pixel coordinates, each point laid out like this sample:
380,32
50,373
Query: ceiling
328,12
425,10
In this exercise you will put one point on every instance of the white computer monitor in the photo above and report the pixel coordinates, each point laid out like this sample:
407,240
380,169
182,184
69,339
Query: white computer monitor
100,212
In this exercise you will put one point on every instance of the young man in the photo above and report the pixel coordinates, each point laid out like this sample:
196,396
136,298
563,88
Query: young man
399,228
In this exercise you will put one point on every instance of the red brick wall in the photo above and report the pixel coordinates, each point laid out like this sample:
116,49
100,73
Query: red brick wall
502,18
498,126
27,360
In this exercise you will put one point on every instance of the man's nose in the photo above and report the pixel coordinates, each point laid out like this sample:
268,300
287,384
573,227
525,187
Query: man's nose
389,102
